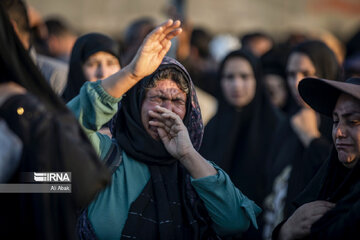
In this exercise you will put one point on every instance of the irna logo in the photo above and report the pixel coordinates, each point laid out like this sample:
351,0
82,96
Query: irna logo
52,177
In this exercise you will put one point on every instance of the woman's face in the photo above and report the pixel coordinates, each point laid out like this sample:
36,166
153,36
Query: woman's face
299,66
276,88
238,82
100,65
346,130
166,94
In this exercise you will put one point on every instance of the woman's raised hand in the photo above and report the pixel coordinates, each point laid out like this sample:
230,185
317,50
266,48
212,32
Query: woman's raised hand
154,48
146,61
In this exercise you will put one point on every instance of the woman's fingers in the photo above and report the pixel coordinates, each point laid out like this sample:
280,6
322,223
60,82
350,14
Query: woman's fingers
167,120
172,27
158,32
166,30
159,124
171,31
165,115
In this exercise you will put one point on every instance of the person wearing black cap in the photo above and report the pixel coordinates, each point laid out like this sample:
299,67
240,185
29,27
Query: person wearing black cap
329,207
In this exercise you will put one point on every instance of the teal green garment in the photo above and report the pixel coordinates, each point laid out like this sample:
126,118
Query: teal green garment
230,210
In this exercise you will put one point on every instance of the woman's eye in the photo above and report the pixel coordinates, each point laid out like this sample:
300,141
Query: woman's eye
90,64
245,76
229,76
306,74
354,122
111,63
156,99
179,102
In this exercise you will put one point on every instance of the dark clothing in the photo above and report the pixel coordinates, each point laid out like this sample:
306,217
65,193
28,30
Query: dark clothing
53,142
84,47
288,150
338,184
238,140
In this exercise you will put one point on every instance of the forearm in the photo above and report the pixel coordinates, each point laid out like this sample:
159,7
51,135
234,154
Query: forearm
196,165
119,83
283,233
94,106
230,210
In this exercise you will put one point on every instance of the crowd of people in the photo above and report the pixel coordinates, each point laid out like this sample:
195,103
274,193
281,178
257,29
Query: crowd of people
173,133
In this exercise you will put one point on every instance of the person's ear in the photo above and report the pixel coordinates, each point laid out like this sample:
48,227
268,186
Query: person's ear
23,37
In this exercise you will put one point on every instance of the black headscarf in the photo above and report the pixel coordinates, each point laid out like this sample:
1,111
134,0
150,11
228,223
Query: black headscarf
168,196
238,139
48,131
287,148
323,59
274,62
84,47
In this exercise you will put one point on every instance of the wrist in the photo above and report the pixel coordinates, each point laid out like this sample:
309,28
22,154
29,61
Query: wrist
189,155
130,73
196,165
285,232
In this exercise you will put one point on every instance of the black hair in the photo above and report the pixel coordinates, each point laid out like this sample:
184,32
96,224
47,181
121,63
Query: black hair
200,39
169,73
247,38
57,27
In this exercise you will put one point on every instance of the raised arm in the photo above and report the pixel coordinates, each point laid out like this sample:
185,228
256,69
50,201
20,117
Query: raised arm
146,60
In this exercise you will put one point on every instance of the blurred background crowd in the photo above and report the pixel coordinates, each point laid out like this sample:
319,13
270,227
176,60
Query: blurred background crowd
269,142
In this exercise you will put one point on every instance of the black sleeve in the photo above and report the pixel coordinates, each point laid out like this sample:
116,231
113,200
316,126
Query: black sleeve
53,141
342,222
276,231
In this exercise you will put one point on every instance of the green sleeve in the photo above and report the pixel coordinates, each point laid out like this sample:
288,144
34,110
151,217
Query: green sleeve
94,107
230,210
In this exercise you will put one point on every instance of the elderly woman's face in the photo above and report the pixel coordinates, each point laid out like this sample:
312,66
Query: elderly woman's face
299,66
346,130
100,65
166,94
238,82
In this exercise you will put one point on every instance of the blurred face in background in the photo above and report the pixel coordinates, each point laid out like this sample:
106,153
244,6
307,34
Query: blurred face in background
100,65
238,82
299,66
275,86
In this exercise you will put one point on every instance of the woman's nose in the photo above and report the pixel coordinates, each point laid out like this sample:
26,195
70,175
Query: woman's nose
166,104
340,131
238,83
100,71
